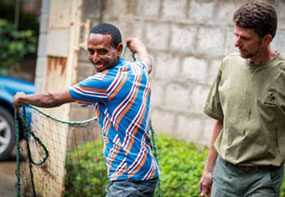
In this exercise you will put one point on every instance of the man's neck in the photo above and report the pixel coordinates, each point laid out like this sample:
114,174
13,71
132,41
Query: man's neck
263,57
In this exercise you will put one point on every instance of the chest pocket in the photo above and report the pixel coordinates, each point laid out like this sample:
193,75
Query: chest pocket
271,99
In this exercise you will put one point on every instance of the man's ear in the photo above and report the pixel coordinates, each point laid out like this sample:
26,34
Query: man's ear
119,48
267,39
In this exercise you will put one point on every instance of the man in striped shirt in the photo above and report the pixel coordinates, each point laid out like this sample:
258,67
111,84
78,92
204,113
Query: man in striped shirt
120,91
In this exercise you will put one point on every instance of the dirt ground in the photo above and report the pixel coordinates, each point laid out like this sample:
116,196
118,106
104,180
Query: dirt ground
7,178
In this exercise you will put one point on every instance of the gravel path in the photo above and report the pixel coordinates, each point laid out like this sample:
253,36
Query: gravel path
7,179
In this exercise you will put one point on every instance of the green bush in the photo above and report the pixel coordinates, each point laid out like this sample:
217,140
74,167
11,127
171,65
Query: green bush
283,189
181,165
14,45
86,172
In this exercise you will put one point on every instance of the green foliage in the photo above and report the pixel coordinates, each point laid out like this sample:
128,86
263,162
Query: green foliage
283,189
14,45
181,165
86,171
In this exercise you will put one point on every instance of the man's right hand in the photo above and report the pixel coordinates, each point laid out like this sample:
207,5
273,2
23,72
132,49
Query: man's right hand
17,100
206,184
135,45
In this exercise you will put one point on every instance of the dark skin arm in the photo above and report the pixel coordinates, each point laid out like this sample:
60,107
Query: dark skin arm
136,46
43,100
207,178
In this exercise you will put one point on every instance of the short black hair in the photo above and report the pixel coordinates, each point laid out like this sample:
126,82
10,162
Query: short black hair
106,28
259,16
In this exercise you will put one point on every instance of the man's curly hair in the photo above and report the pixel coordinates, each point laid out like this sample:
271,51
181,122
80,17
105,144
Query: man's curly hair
259,16
106,28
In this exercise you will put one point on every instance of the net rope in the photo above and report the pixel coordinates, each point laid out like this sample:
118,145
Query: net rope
40,151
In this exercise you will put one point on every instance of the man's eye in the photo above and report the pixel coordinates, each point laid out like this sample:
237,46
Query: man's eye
102,51
91,51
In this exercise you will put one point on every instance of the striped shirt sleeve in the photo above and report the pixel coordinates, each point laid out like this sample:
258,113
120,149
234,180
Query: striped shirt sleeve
92,89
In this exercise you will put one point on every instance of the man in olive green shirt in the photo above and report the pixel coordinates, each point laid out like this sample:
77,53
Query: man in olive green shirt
248,102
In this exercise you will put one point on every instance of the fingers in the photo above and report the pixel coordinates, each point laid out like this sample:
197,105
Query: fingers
205,185
134,44
17,99
204,191
129,41
132,40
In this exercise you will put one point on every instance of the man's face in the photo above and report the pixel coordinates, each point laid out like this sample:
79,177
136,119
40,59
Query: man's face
101,52
248,42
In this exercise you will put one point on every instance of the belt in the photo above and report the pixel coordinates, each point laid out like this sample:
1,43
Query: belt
253,168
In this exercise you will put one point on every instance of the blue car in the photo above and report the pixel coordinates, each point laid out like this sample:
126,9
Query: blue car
8,88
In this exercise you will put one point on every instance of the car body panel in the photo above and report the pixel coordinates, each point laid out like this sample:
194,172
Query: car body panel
9,86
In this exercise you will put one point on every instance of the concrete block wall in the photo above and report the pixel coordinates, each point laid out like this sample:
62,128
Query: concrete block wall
188,39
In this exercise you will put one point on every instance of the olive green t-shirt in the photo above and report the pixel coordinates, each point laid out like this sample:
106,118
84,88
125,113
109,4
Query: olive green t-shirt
250,100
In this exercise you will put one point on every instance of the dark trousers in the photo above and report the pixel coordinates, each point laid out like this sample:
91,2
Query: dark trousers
232,181
132,188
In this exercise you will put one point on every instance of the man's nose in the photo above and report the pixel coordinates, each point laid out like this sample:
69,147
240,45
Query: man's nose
237,42
93,56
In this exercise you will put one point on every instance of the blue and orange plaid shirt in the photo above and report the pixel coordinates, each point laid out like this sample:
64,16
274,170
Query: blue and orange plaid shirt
121,96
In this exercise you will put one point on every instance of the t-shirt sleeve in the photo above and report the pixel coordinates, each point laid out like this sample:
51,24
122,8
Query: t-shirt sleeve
92,89
213,106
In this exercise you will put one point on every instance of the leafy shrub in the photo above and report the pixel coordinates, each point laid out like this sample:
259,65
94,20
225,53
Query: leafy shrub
181,165
86,172
14,44
283,189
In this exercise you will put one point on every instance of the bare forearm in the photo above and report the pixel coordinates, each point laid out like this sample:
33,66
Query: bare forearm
137,47
212,155
43,100
146,58
207,176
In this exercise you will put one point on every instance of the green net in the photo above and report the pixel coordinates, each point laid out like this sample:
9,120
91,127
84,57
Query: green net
74,148
59,158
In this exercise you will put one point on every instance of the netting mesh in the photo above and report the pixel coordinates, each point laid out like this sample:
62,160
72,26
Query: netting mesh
59,158
74,166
